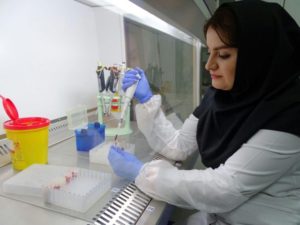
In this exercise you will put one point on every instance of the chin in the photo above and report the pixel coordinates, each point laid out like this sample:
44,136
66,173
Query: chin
221,87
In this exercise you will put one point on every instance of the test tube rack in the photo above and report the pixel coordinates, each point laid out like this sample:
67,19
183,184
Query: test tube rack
111,120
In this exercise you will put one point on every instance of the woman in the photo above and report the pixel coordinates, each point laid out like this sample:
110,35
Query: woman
246,129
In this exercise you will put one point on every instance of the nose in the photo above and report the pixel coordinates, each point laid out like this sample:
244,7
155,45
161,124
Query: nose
211,64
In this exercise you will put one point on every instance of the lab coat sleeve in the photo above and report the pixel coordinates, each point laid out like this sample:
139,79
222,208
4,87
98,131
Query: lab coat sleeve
266,157
161,134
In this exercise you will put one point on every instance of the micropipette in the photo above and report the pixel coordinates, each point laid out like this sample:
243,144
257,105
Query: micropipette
126,100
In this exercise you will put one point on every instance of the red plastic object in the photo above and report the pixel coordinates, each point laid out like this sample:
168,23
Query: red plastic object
26,123
10,108
17,123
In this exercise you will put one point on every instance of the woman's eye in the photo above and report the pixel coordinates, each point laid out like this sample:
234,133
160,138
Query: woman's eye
224,56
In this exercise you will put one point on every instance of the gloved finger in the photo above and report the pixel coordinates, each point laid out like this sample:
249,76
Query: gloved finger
131,71
115,147
112,158
135,76
121,152
114,155
126,84
130,79
115,151
125,154
140,71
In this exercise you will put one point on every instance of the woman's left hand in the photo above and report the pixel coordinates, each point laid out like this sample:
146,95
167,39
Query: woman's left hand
124,164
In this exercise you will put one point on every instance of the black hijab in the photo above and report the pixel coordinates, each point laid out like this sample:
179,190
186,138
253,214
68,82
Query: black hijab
266,90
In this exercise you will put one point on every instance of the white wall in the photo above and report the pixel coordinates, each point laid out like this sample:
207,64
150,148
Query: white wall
110,33
49,51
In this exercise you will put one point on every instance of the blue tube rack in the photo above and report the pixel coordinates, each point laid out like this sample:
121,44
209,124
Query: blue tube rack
88,138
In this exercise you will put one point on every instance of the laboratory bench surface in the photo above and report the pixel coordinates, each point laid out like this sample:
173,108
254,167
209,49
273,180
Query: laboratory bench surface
27,210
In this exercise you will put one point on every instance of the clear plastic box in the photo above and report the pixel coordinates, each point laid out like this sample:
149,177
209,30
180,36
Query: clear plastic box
77,118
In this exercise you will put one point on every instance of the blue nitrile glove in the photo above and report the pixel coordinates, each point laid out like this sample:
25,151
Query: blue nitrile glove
124,164
143,92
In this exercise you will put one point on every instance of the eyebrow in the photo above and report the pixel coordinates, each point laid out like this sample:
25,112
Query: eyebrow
222,47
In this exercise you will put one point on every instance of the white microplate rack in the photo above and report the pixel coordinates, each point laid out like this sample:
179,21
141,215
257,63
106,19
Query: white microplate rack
79,194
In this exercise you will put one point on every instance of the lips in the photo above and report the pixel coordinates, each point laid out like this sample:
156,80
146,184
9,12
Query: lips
215,76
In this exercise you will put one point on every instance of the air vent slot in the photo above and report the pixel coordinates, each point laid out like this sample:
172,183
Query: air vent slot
5,148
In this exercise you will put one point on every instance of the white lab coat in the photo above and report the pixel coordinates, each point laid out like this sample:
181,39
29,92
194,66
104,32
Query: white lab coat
257,185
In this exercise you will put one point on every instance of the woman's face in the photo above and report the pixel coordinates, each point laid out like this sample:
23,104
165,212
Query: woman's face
221,63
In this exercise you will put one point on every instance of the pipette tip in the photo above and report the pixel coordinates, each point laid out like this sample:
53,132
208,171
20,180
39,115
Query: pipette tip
116,139
120,123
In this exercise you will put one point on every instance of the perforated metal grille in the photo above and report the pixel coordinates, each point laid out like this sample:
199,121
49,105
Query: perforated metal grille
5,148
58,131
125,208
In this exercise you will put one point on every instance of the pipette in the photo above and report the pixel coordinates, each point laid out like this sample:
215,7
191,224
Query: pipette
126,100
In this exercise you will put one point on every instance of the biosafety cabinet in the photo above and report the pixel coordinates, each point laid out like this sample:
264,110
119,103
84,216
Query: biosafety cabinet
50,51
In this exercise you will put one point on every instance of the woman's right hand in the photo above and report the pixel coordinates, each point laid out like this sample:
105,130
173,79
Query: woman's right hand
143,92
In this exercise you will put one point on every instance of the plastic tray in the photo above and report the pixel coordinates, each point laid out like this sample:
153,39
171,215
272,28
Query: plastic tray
73,188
